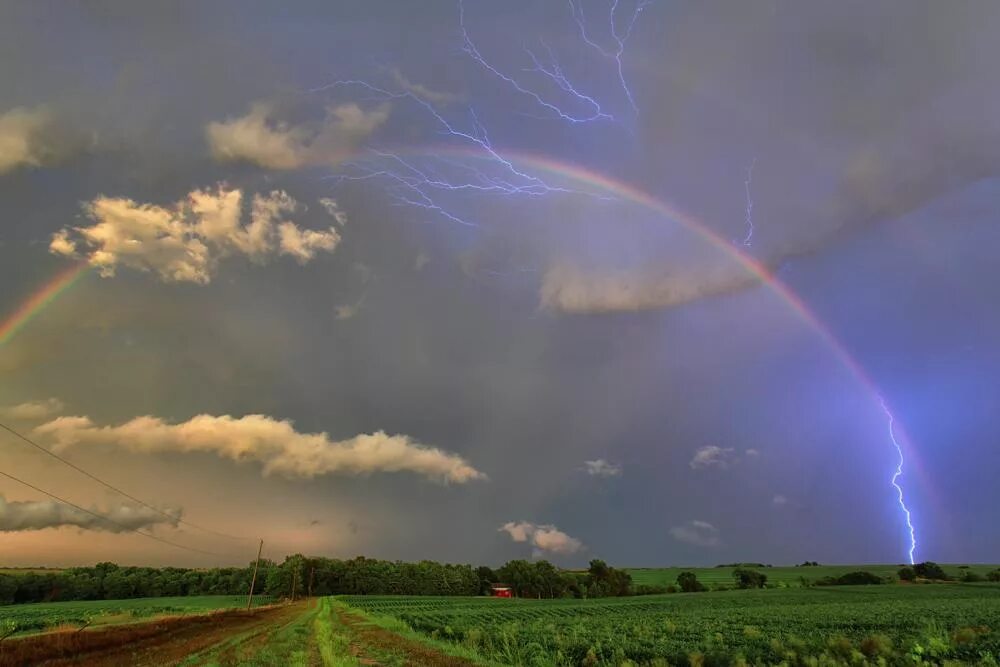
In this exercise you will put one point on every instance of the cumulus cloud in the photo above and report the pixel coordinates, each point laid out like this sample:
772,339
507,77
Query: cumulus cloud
33,410
184,242
423,92
698,533
260,139
602,468
544,538
38,515
30,138
275,444
779,500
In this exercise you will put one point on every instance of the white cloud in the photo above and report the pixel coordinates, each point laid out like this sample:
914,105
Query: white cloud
752,453
601,468
544,538
421,261
779,500
259,139
423,92
26,139
38,515
698,533
273,443
569,288
333,209
184,242
33,410
713,456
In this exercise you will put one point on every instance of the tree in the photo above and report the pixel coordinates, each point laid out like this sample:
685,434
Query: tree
907,573
993,575
688,582
746,578
930,570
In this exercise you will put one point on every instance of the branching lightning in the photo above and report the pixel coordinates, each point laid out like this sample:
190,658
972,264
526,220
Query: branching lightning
895,482
419,182
620,39
412,184
749,210
553,72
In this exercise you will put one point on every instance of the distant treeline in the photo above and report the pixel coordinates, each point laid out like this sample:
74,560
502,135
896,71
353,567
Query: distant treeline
301,576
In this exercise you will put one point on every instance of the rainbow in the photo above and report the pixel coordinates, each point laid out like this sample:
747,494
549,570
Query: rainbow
761,273
39,300
63,281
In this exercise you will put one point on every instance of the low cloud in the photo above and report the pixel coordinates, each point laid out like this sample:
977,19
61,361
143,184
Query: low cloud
698,533
260,139
33,410
275,444
184,242
570,288
31,138
602,468
546,539
18,516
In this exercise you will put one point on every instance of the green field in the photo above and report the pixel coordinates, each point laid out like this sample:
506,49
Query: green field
901,623
24,618
789,576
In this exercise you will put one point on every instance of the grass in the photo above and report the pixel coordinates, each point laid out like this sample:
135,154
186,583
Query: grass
26,618
862,625
788,576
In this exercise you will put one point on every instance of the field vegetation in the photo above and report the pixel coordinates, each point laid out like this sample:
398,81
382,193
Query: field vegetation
901,625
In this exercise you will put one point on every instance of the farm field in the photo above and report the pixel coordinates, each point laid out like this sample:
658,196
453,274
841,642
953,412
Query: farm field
25,618
901,623
788,575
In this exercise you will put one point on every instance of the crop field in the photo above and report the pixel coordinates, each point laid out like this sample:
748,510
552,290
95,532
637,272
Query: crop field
901,624
789,576
24,618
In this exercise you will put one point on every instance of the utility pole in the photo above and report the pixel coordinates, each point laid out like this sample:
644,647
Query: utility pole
253,579
312,571
295,579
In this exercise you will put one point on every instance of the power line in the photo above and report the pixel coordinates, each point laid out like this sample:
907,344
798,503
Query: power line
114,488
106,518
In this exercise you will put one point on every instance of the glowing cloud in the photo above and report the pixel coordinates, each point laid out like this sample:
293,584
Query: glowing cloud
259,139
713,456
185,241
39,515
544,538
273,443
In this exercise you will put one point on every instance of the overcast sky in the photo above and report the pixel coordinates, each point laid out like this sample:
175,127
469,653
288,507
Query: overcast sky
413,280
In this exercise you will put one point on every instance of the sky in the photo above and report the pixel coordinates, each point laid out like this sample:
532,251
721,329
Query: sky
480,281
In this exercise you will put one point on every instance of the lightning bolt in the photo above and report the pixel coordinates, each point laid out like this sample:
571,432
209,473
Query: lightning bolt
552,72
749,210
619,38
895,482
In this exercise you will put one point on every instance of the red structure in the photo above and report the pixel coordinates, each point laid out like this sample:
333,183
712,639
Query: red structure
501,591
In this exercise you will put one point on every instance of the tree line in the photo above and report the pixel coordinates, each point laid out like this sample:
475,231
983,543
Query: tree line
301,576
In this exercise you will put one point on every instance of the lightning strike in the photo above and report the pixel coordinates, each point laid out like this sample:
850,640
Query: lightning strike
749,209
895,482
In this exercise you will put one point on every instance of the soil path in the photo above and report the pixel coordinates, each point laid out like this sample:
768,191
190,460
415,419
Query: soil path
369,640
165,641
